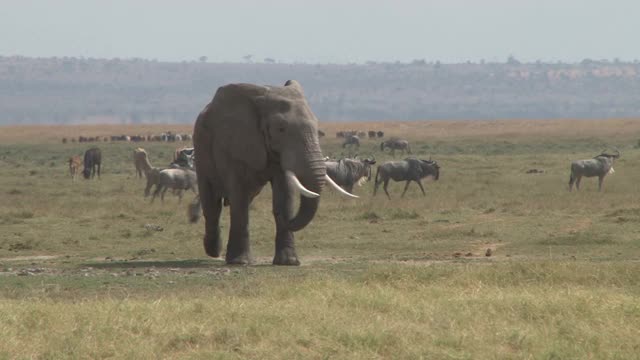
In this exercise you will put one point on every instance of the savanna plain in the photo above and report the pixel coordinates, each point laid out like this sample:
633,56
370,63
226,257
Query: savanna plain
92,269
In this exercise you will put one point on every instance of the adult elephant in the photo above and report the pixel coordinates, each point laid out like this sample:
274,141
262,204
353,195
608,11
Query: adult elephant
249,135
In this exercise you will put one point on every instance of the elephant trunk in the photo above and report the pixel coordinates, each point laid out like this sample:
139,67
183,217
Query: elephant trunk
312,177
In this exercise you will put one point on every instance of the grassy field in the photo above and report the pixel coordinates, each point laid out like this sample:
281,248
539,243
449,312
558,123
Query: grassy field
85,273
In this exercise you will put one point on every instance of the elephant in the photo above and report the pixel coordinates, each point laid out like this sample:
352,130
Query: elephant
249,135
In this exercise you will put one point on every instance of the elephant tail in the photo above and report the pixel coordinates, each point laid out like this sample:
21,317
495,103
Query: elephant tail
194,211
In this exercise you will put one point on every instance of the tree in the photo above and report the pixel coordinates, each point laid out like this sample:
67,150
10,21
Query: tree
203,59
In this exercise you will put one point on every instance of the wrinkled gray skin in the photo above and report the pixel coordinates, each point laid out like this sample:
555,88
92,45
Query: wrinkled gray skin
396,144
348,172
247,136
351,141
405,170
175,179
599,166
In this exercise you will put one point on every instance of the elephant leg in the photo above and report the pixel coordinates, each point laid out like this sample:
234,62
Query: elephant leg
211,209
238,248
421,188
384,187
282,212
406,186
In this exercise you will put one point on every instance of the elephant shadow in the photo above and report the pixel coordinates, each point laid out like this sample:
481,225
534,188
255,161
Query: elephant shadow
141,264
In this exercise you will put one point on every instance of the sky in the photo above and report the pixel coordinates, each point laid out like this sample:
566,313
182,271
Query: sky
326,31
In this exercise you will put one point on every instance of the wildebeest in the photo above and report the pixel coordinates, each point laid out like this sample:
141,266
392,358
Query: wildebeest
380,134
599,166
396,144
321,133
92,161
74,166
372,134
348,172
183,157
176,179
351,141
408,170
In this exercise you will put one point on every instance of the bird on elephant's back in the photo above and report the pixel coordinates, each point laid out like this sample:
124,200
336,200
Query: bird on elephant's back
249,135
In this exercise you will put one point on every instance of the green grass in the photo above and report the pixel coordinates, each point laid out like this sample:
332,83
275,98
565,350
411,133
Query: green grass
81,276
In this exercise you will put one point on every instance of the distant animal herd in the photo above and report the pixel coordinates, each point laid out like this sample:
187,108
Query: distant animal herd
162,137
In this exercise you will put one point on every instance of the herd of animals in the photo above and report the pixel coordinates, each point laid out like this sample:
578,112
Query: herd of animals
165,137
250,135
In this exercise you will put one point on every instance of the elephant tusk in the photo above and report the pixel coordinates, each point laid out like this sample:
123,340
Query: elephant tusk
303,190
338,188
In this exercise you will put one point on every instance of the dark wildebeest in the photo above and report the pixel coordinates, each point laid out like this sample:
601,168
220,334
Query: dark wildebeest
408,170
92,160
348,172
599,166
396,144
351,141
372,134
380,134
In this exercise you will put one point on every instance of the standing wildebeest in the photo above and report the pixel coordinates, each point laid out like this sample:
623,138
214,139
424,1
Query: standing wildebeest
74,166
348,172
176,179
380,134
372,134
599,166
352,140
92,160
408,170
396,144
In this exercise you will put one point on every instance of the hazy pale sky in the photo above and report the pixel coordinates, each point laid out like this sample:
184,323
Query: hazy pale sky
323,31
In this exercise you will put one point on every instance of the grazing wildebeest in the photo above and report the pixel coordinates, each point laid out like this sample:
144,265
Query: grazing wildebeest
351,141
380,134
408,170
74,166
176,179
599,166
340,134
348,172
396,144
372,134
92,161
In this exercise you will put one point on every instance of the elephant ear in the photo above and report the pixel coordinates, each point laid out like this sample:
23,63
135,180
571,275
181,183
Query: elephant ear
236,124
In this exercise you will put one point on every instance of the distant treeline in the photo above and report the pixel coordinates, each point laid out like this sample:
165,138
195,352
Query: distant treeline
79,90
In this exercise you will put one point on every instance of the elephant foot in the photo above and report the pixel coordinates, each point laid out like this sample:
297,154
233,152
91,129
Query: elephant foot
287,257
238,260
212,247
